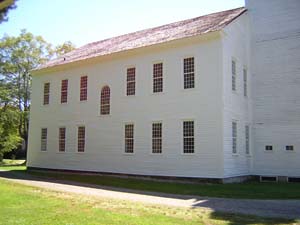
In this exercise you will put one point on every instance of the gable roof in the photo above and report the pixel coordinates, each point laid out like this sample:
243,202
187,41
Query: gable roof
173,31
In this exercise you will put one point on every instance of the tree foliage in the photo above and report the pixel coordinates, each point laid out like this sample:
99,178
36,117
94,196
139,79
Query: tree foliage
18,57
5,6
64,48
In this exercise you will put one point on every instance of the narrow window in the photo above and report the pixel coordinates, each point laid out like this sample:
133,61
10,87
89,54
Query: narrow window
289,148
156,137
233,75
83,88
64,91
129,138
81,139
188,137
62,139
247,139
44,139
234,137
245,82
105,101
269,148
46,93
157,77
189,73
130,90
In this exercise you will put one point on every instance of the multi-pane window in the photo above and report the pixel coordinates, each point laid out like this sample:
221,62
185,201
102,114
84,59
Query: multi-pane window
62,139
83,88
130,79
234,137
156,137
157,77
247,139
105,101
269,148
81,139
289,148
233,75
64,91
188,137
189,72
44,139
46,93
129,138
245,82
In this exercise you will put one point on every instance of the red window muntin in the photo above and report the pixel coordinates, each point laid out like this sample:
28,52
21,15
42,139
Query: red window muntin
62,139
81,139
130,81
157,77
129,138
105,101
83,88
64,91
46,93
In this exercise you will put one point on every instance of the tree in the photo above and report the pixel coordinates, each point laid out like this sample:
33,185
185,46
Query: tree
18,57
64,48
5,6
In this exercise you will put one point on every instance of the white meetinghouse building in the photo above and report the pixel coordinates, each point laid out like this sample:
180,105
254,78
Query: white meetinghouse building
213,97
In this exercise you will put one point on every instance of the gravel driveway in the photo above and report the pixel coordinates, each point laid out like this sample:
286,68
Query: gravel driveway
265,208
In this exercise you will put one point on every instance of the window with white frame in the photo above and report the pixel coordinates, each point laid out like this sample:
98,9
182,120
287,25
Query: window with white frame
245,78
247,139
234,137
189,72
157,137
233,75
129,138
62,139
105,101
64,91
46,93
44,134
157,77
81,139
188,137
130,81
83,88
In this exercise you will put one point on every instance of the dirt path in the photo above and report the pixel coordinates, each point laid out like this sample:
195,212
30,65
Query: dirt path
264,208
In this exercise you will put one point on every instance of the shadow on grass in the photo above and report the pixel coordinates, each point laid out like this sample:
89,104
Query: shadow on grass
232,210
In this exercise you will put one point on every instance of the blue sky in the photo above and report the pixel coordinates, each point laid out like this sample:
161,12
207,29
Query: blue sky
82,21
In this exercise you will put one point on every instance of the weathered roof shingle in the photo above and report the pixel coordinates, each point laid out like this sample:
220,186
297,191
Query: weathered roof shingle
182,29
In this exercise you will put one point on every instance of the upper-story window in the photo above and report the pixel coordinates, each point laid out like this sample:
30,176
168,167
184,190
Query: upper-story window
46,93
105,101
130,81
83,88
234,137
245,78
157,77
189,72
62,139
44,134
64,91
188,137
233,75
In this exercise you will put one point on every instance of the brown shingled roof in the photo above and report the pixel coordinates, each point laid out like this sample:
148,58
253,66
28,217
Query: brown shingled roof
182,29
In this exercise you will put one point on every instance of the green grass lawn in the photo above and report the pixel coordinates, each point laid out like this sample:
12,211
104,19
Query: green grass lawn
249,190
24,205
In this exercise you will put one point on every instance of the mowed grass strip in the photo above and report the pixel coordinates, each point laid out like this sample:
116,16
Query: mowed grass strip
24,205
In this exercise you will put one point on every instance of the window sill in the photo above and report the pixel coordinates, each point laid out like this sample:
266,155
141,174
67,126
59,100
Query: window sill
157,93
188,89
188,154
83,101
103,116
249,155
235,154
129,154
269,151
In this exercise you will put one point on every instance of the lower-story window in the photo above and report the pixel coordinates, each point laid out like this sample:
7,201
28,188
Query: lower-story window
234,137
62,139
156,137
44,134
81,139
188,137
129,138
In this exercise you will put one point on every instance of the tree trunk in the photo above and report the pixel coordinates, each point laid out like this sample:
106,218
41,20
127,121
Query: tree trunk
1,157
